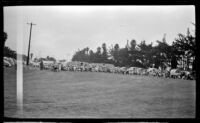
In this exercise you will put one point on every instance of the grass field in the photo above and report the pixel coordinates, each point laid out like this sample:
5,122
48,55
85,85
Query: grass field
98,95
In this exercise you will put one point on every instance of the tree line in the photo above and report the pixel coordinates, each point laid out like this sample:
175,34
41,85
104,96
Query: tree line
182,51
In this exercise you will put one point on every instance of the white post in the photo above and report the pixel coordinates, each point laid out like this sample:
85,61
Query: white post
19,82
19,61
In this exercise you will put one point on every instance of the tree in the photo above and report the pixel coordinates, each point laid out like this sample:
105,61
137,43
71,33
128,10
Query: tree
98,51
9,53
186,46
97,58
87,57
91,56
87,50
146,53
143,46
174,62
135,56
163,53
5,36
133,44
104,55
116,47
123,57
116,53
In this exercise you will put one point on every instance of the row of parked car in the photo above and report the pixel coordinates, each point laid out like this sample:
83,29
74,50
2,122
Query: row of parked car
110,68
171,73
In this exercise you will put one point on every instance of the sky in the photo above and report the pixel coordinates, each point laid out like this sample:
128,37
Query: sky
62,30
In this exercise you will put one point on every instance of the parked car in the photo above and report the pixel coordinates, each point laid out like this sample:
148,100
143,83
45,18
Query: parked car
152,71
123,70
188,75
7,63
175,73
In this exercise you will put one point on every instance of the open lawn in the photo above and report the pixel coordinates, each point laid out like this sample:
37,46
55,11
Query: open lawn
98,95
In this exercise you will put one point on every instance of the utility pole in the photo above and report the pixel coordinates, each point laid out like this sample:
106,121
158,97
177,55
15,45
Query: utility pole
27,62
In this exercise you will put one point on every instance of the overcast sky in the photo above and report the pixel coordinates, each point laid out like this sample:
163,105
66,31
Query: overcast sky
61,30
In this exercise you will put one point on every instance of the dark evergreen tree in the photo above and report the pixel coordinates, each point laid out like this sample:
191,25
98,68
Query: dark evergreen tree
5,36
174,62
104,55
186,46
